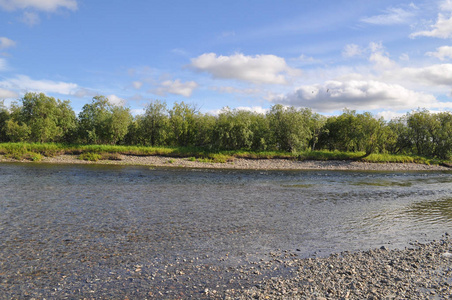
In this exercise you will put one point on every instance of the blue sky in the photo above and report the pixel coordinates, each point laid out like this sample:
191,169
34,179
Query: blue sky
386,57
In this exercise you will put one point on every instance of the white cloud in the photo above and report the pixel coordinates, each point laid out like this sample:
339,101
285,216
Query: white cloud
391,16
446,5
307,59
26,84
256,109
176,87
6,43
442,53
137,84
442,28
233,90
439,75
42,5
389,115
381,61
255,69
404,57
379,57
5,94
351,50
353,94
30,18
115,100
2,64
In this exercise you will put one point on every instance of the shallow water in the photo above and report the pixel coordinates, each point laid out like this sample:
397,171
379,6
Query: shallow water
109,217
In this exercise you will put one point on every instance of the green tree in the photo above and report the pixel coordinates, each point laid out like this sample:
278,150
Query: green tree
289,128
233,129
353,132
41,119
443,147
204,127
155,124
4,117
101,122
182,125
399,140
422,127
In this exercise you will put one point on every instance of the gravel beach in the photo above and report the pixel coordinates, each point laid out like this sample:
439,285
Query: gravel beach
423,271
240,163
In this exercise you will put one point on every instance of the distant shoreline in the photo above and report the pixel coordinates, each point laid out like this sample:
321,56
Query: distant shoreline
241,163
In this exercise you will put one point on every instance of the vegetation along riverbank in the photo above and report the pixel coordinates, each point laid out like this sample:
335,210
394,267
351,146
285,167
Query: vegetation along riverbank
183,131
197,158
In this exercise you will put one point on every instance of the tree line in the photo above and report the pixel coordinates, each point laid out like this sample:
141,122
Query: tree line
39,118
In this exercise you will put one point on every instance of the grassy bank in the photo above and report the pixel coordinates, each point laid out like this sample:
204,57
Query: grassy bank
36,151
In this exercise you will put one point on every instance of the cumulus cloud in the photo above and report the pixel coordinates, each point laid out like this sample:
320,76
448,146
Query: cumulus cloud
444,52
7,94
255,69
6,43
439,75
115,100
42,5
443,26
390,17
256,109
25,83
351,50
441,29
389,115
353,94
176,87
446,5
379,57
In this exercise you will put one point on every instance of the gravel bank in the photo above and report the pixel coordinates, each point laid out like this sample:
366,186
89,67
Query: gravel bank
240,163
421,272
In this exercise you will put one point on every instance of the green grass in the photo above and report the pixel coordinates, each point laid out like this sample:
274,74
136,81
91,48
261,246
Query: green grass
36,151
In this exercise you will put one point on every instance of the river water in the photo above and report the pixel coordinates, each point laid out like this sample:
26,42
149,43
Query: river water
94,221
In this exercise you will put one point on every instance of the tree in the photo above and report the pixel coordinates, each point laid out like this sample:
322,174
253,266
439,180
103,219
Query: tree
182,125
289,128
353,132
422,127
154,124
4,117
233,129
443,134
101,122
41,119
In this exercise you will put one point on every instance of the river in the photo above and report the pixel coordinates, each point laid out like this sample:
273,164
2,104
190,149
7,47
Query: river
76,230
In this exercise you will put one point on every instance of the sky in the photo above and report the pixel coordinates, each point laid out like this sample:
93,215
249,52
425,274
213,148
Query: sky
380,56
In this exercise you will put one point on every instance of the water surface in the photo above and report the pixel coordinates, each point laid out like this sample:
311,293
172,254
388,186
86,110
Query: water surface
108,217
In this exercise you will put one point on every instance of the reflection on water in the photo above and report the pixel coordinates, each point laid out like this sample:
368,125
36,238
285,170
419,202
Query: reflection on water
432,212
171,213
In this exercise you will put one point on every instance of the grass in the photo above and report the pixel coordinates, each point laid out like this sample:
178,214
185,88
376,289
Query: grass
36,151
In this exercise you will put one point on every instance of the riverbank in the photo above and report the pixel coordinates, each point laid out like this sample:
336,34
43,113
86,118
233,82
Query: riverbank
241,163
421,272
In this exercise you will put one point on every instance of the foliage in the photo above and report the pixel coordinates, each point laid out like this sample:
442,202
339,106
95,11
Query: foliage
38,121
90,156
101,122
289,128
